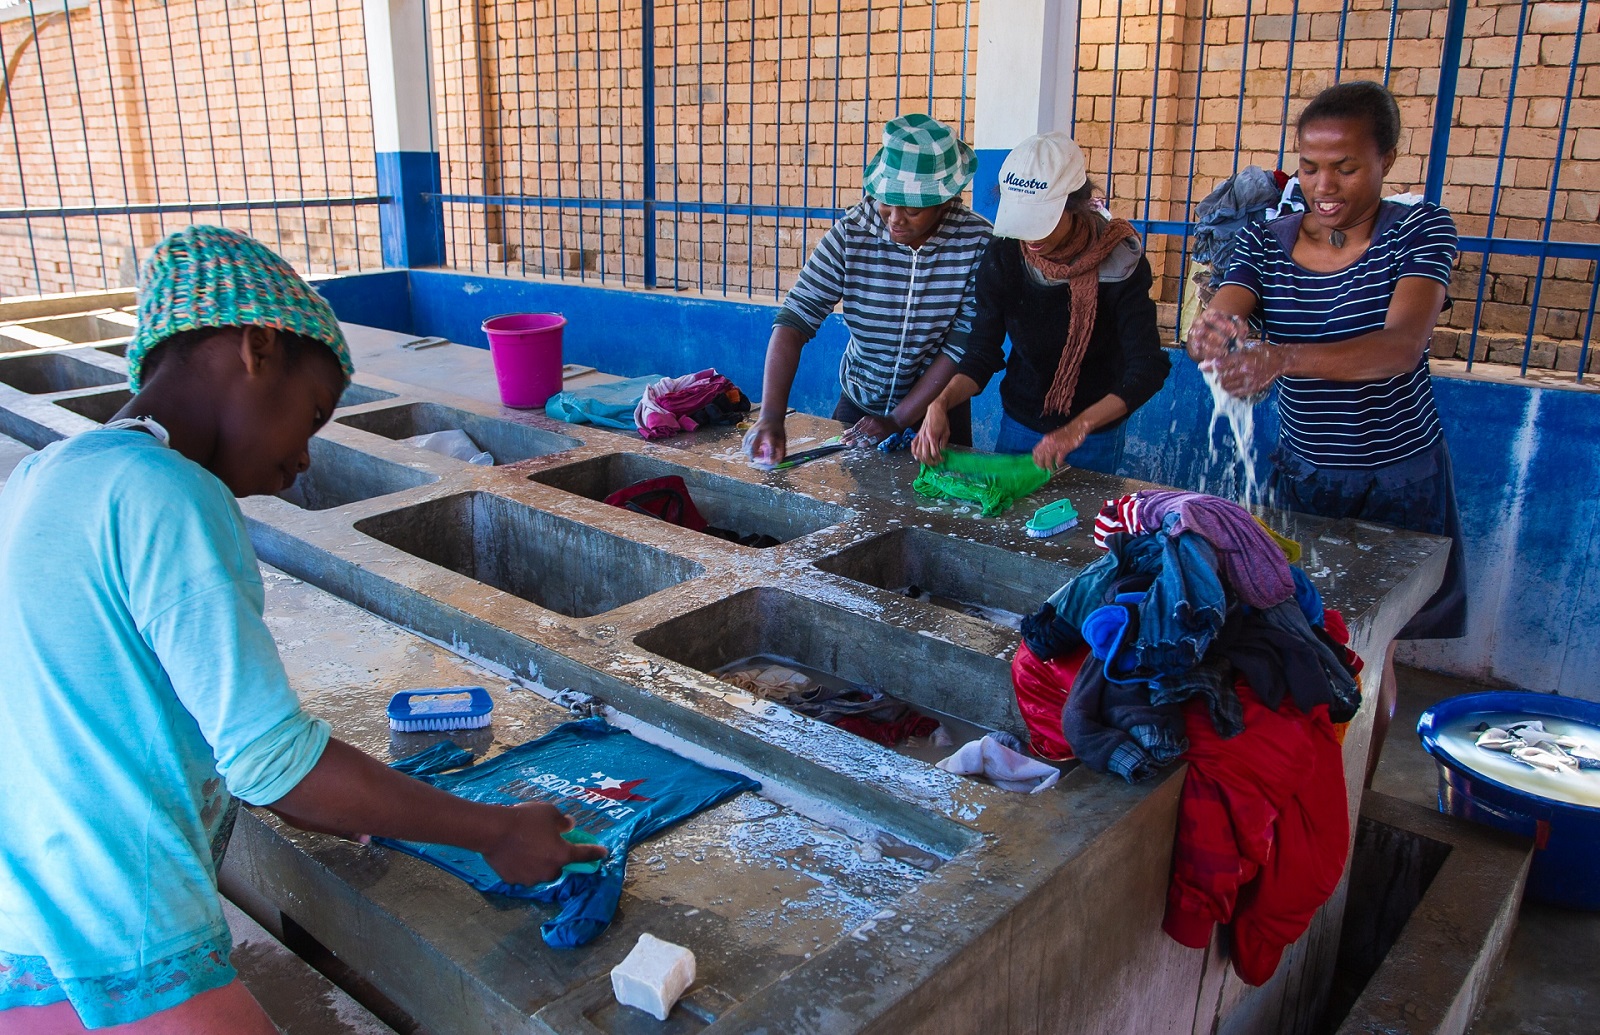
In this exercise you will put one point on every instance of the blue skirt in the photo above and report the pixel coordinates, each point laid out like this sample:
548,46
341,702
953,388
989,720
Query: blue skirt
1417,494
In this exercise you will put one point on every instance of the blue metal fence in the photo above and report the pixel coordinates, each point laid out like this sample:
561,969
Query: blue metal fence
739,130
698,145
128,118
703,145
1469,55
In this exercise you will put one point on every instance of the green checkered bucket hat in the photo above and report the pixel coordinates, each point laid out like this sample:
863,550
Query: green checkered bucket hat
921,163
207,276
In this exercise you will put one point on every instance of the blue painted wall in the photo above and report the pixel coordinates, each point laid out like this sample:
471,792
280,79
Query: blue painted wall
373,299
635,332
411,226
986,182
1527,478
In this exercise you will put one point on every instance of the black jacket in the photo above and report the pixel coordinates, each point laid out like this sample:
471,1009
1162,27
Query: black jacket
1125,356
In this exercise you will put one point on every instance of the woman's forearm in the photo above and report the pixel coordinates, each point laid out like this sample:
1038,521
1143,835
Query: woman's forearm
777,378
1108,409
959,390
1371,357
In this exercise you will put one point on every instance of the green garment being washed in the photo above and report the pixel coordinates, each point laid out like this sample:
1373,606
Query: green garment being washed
993,481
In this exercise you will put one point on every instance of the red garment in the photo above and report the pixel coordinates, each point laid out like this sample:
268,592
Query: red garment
1263,831
912,724
1041,688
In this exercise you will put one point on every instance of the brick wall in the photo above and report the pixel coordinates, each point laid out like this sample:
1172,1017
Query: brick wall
1152,77
761,103
191,101
767,103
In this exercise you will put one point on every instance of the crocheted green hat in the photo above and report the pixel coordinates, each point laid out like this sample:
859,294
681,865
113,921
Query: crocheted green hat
207,276
921,163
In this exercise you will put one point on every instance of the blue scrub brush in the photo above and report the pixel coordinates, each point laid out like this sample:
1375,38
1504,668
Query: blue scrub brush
1052,519
446,708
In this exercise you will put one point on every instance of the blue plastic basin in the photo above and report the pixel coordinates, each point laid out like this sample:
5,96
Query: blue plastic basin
1566,858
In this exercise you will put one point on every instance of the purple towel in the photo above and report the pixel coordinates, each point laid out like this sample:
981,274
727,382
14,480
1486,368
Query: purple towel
1252,563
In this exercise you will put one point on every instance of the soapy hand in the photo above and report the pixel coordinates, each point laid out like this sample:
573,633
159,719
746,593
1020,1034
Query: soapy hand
766,444
1247,372
1213,334
529,849
870,430
1051,452
932,437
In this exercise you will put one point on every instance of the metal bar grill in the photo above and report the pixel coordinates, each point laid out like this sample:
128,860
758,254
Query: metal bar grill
131,118
681,143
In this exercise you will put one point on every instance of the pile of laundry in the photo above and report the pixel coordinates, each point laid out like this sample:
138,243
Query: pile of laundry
1529,743
863,710
655,406
1195,638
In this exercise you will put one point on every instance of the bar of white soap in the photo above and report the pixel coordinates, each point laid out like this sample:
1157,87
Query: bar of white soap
653,976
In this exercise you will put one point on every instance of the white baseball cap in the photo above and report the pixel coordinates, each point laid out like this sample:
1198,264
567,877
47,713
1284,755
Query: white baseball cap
1035,181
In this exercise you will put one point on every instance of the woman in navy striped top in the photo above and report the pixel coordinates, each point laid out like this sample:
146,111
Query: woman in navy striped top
1347,296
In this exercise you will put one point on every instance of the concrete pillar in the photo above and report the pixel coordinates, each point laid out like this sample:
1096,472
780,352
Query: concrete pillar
400,74
1027,64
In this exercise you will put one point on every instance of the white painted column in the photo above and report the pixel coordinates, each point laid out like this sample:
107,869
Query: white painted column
1027,63
400,76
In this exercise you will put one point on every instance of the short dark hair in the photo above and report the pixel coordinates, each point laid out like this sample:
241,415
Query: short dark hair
1358,99
178,347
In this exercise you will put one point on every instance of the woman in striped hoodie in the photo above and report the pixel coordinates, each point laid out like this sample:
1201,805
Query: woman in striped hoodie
902,261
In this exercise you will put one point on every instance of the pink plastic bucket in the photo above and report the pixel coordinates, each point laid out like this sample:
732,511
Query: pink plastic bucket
527,356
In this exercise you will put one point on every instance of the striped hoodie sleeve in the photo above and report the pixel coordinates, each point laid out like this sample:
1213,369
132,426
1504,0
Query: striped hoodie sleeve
955,341
819,287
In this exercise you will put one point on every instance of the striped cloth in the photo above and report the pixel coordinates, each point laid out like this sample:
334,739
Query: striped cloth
902,307
1348,423
1118,515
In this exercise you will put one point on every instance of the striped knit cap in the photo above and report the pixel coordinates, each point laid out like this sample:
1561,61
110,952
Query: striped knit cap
921,163
206,276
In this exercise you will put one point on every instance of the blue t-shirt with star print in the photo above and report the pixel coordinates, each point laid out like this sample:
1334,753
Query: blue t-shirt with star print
617,788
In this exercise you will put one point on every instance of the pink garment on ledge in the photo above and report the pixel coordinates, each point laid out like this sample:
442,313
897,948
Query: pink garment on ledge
664,409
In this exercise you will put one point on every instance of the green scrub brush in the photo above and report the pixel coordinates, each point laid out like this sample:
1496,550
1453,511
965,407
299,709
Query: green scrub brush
1052,519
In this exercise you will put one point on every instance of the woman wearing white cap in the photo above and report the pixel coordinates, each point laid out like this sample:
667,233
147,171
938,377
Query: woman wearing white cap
1072,292
902,262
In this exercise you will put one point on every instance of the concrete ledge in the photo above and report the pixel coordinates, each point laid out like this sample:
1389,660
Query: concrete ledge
299,1000
26,307
1470,879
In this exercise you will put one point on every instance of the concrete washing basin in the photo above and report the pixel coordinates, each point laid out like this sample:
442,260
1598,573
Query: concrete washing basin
724,502
860,890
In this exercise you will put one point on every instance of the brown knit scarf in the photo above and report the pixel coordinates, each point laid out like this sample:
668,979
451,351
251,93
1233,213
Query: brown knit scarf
1077,260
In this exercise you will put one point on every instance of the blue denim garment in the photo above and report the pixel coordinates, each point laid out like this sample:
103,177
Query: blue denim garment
1101,451
1417,494
1306,595
1185,607
1094,587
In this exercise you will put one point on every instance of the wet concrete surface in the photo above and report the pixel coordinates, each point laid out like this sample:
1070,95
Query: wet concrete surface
1549,983
860,889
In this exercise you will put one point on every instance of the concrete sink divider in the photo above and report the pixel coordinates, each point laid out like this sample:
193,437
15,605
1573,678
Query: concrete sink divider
860,890
725,502
506,442
958,569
